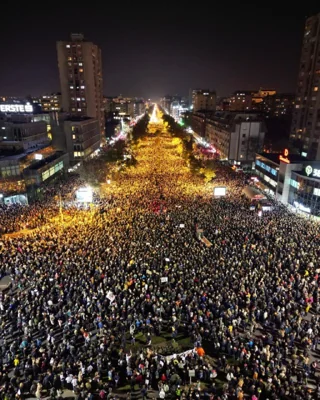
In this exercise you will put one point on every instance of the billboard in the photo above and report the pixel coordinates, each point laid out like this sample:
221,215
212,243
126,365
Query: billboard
219,191
84,195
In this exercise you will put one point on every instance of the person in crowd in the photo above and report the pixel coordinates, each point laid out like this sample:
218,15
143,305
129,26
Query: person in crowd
82,294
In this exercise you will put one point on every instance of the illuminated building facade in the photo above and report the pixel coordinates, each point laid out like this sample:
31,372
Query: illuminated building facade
204,100
50,102
306,117
80,71
78,136
292,179
241,100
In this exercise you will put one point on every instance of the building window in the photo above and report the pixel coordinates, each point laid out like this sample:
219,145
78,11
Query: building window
79,109
68,46
315,89
73,137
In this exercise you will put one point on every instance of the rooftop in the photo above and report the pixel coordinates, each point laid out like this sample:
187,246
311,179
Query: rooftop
45,161
293,158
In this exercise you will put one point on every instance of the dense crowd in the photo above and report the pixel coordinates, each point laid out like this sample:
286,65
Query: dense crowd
17,217
82,297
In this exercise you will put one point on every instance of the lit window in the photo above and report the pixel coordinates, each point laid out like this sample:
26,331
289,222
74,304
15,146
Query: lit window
73,137
316,192
78,99
80,69
71,87
315,89
68,46
297,106
79,109
82,87
69,58
73,109
80,64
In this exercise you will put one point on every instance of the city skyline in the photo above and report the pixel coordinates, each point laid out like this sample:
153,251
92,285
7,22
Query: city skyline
150,54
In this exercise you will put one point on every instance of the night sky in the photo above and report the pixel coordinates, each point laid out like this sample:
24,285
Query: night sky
159,49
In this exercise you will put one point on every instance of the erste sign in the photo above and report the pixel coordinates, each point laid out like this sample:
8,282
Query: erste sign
16,108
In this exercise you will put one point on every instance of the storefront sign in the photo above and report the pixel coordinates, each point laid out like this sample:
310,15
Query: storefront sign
312,171
16,108
284,157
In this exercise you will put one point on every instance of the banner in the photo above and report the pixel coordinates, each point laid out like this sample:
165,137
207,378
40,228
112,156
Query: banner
111,296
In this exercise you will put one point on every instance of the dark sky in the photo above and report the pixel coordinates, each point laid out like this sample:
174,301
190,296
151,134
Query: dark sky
161,48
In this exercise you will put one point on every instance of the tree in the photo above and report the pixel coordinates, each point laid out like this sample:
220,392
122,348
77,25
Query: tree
208,174
141,128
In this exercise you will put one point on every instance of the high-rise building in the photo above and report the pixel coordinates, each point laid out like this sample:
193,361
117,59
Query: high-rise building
80,71
306,117
204,100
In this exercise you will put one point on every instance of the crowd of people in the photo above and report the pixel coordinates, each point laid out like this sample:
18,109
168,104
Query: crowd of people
81,297
16,217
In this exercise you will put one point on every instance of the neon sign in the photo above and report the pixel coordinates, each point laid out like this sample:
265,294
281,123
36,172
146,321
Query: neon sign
16,108
284,158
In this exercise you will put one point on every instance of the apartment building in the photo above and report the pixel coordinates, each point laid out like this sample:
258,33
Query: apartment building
80,70
306,116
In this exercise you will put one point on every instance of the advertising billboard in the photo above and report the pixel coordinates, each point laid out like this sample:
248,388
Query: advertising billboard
219,191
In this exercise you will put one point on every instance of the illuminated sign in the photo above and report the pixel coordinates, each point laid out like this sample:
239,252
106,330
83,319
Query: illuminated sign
309,170
284,158
84,195
219,191
316,173
301,207
16,108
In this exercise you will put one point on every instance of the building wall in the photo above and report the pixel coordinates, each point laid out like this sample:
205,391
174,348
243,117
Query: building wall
219,137
305,192
80,70
240,101
51,102
204,101
198,123
82,138
285,171
30,134
306,116
239,142
46,170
